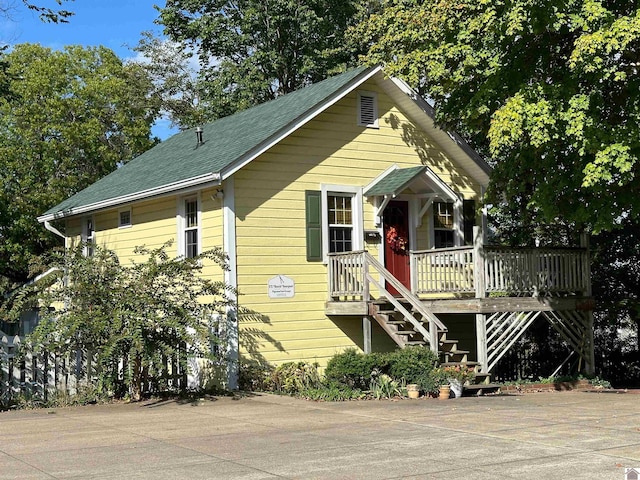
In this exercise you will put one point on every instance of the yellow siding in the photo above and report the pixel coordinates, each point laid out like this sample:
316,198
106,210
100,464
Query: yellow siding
270,229
153,223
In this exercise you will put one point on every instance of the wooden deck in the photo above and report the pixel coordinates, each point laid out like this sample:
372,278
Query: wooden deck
506,289
473,280
475,305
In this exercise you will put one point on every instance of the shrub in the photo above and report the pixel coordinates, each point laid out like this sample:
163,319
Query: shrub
383,386
353,368
411,363
294,377
430,381
254,376
333,392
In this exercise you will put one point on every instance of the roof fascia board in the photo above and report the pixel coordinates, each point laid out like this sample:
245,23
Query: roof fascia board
299,122
170,188
455,138
442,186
379,177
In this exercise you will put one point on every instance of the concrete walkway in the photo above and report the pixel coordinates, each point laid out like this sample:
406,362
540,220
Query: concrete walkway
546,435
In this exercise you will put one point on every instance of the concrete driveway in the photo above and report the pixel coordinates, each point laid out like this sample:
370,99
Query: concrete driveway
546,435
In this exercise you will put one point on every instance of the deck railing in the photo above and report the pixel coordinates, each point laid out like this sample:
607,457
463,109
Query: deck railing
503,270
443,270
536,270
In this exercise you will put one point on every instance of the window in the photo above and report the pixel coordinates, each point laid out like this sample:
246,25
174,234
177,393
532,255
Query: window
367,109
124,218
340,214
88,236
191,229
189,237
333,221
443,225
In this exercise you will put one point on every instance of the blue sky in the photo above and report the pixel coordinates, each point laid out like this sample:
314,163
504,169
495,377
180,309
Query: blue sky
116,24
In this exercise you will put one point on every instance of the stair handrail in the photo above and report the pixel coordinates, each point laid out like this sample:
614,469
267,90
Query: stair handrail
404,293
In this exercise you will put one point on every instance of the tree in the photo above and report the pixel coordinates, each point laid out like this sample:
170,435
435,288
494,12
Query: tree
179,86
47,14
550,90
132,315
69,118
616,286
252,51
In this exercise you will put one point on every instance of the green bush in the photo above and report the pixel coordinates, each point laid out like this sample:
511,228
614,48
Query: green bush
333,392
411,363
430,381
254,376
294,377
353,368
383,386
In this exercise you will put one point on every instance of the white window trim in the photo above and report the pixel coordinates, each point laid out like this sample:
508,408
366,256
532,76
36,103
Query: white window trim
363,93
121,211
181,221
458,234
358,232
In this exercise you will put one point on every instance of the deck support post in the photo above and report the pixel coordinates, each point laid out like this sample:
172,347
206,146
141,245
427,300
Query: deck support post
480,287
481,338
478,263
366,334
434,341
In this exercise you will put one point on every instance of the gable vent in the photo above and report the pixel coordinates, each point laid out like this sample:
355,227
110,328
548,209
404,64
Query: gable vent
367,110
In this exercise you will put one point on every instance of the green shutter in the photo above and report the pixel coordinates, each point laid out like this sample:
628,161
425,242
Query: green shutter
469,220
313,207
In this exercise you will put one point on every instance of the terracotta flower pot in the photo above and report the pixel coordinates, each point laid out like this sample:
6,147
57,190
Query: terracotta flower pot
445,391
413,391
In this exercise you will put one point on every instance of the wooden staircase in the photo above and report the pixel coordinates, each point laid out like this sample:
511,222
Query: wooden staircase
403,333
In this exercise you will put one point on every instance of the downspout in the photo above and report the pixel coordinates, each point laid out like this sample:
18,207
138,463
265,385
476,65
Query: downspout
54,230
57,232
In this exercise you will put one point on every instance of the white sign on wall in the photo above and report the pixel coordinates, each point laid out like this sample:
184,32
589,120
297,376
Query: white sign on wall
281,286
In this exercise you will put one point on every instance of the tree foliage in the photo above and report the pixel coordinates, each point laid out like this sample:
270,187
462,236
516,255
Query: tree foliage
179,86
132,315
254,50
69,118
549,89
47,14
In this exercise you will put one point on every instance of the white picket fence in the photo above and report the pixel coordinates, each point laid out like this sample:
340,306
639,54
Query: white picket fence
37,376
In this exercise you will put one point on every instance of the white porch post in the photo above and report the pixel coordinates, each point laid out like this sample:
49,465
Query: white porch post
480,287
366,333
231,279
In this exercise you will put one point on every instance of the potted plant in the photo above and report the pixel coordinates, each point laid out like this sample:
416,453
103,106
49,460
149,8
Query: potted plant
457,376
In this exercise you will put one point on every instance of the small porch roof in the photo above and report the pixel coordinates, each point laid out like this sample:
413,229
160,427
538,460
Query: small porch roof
395,180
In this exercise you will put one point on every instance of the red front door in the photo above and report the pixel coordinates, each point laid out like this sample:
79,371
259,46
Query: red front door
396,243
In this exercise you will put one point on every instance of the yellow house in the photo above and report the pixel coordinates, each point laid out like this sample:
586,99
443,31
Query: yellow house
349,219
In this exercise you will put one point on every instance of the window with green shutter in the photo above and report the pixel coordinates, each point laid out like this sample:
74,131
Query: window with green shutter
313,207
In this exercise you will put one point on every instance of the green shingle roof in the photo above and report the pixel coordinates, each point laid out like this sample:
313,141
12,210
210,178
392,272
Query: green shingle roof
395,181
226,141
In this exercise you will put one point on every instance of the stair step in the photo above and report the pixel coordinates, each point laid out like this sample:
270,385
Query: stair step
448,342
415,342
386,312
406,332
462,364
481,389
456,352
395,322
